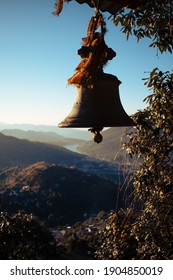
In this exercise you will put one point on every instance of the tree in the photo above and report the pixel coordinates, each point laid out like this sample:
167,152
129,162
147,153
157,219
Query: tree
147,233
23,237
152,139
153,142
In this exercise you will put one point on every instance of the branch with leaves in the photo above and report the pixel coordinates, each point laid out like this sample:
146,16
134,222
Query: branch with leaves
152,140
153,20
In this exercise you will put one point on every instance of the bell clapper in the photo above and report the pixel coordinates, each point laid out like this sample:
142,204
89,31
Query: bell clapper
97,136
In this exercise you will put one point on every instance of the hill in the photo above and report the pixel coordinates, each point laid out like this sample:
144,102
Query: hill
56,195
19,152
109,149
42,136
66,132
23,152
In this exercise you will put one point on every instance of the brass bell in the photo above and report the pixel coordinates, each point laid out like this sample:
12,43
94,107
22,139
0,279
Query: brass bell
98,105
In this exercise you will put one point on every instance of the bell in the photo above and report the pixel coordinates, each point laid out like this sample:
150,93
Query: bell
98,105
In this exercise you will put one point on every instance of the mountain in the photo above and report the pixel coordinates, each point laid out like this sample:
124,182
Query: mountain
55,194
66,132
19,152
14,152
109,149
42,136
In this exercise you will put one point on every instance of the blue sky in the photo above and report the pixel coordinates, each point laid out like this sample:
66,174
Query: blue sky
38,53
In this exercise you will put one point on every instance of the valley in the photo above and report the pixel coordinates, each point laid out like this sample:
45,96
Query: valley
63,189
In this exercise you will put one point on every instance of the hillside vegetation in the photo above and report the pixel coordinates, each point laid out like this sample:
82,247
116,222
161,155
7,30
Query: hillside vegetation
56,195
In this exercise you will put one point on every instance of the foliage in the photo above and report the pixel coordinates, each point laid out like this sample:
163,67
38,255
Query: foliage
153,180
78,242
115,240
149,233
153,229
152,139
152,19
23,237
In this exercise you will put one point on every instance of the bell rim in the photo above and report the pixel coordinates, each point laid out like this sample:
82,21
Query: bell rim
79,123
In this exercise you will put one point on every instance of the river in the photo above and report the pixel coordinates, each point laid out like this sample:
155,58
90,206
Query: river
72,147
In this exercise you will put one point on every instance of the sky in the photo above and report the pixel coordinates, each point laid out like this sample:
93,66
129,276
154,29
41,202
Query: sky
38,53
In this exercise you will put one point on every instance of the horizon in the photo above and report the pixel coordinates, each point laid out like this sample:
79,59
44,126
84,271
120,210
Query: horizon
78,133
